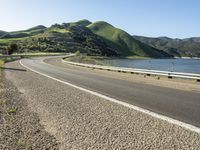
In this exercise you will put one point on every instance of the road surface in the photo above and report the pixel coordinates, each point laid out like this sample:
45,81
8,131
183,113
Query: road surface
81,120
180,105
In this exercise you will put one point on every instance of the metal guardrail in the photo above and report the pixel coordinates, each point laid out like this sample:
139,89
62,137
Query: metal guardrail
139,71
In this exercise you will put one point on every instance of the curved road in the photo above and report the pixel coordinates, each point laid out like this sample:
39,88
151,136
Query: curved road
177,104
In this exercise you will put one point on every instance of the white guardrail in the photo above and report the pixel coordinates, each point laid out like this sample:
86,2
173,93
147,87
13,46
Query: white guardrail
139,71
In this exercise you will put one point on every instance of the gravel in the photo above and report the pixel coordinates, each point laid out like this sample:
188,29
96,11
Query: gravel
20,128
80,120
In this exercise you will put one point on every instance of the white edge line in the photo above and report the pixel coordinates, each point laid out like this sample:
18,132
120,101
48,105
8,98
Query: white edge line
153,114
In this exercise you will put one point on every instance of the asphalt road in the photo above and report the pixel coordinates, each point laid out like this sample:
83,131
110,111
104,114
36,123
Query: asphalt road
177,104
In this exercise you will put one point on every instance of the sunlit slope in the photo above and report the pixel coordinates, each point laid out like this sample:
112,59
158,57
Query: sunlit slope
99,38
124,43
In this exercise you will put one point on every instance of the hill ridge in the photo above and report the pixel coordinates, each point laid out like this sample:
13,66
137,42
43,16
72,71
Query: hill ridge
123,41
187,47
97,38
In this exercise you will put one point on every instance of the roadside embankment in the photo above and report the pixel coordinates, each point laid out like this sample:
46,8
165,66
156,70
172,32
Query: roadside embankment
19,127
17,56
95,60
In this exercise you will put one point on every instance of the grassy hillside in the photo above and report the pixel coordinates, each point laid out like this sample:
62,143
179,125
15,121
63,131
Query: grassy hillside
99,38
68,37
177,47
124,43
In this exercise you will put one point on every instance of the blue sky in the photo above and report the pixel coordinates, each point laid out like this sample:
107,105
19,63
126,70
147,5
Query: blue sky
173,18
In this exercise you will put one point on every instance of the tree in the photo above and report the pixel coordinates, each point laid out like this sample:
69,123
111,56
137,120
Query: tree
12,48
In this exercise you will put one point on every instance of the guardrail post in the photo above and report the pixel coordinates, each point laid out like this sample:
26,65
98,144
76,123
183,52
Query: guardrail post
145,72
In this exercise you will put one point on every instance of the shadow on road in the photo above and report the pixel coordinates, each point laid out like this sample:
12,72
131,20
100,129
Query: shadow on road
15,69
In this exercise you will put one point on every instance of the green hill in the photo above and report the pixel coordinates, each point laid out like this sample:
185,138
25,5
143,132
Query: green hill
124,43
99,38
67,37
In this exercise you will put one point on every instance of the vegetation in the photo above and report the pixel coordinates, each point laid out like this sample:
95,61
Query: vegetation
97,39
1,63
37,53
96,60
68,37
12,48
2,102
2,33
12,111
8,59
136,57
77,53
189,47
82,23
124,43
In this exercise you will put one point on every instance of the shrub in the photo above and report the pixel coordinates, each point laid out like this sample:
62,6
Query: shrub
10,49
77,53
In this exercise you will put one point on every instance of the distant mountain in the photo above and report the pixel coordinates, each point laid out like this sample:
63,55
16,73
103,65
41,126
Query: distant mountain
24,33
2,33
82,23
39,27
33,29
189,47
124,43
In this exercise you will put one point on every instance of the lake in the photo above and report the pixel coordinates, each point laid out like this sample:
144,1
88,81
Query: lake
178,64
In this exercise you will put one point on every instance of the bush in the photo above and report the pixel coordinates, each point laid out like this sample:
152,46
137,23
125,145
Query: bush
11,49
77,53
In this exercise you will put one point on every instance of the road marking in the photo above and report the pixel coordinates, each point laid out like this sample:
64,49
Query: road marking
150,113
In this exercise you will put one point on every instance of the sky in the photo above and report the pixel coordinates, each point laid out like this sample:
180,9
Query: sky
152,18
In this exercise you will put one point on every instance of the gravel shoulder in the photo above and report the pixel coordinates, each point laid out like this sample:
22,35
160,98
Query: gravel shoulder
80,120
19,127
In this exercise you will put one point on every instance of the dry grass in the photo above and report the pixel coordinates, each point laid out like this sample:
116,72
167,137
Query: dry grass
95,60
1,65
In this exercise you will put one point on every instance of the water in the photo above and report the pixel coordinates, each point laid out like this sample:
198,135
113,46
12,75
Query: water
178,65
